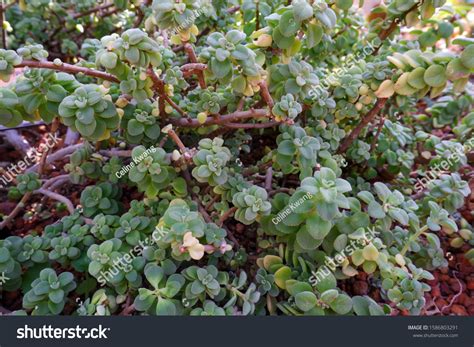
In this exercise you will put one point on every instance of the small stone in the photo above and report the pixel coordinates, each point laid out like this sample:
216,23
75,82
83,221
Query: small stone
459,310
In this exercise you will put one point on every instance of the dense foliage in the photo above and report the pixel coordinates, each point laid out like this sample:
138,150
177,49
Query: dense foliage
238,157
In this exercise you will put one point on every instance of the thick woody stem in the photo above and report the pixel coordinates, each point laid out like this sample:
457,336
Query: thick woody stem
266,95
365,120
221,120
172,134
193,59
57,197
160,88
4,34
192,68
64,67
95,9
387,32
226,215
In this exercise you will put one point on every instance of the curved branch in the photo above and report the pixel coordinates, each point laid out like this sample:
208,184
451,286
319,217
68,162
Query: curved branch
190,67
56,156
57,197
64,67
365,120
16,210
95,9
193,59
222,120
251,125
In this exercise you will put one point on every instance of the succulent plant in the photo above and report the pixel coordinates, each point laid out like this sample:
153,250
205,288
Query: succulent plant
266,283
8,59
140,124
251,203
159,300
33,250
9,113
223,52
405,289
451,190
64,249
28,182
392,204
42,91
102,198
169,14
89,113
9,266
211,161
203,282
102,303
48,293
138,85
209,308
327,191
210,102
295,145
151,170
133,46
36,52
134,228
342,146
104,225
286,108
296,78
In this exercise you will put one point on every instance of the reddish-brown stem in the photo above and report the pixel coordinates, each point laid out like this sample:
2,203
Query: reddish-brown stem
266,95
172,134
95,9
140,13
226,215
16,210
269,179
69,69
160,88
233,9
4,34
212,202
387,32
251,125
379,130
193,59
191,68
365,120
10,4
221,120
